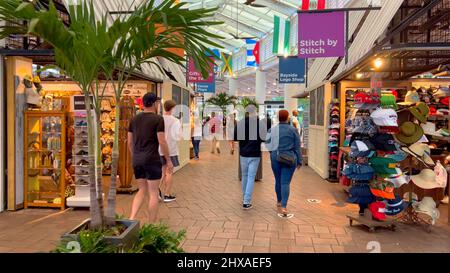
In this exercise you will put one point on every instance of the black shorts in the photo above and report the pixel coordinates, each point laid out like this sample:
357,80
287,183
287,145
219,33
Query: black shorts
174,160
151,171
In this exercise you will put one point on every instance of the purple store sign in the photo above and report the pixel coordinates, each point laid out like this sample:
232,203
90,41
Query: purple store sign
321,34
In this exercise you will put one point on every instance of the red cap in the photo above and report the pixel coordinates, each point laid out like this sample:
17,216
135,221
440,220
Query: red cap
395,93
378,210
445,100
433,111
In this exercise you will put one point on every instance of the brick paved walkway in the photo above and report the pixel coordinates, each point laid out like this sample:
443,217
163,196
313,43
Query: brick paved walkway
208,206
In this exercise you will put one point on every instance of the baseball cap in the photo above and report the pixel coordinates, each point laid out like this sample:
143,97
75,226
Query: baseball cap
384,142
149,99
384,117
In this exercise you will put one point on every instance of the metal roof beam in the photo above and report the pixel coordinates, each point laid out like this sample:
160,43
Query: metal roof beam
206,4
242,27
243,18
253,11
227,45
279,7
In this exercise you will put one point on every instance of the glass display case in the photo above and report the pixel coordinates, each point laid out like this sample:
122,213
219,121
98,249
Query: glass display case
45,157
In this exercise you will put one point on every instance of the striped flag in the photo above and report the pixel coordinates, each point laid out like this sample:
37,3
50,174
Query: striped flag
313,4
251,59
281,34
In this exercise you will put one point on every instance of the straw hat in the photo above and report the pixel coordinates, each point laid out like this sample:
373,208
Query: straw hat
421,151
409,133
428,207
426,179
411,98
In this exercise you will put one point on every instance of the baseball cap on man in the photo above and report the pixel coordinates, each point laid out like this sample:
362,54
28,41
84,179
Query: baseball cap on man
149,99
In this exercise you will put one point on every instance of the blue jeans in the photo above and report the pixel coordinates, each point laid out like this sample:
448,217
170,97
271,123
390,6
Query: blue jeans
249,168
196,144
283,176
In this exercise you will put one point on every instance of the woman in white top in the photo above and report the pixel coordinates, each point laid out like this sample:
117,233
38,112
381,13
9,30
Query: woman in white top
196,133
172,130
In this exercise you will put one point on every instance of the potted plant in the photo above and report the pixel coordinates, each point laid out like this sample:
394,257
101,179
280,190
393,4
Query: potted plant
88,47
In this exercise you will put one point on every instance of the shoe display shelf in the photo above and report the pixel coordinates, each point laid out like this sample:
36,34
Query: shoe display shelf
81,163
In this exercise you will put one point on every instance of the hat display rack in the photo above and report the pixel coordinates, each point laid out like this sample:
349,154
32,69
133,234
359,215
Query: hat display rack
369,168
415,118
333,140
375,156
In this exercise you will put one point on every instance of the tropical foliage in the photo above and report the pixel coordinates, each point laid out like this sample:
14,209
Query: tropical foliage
222,100
152,239
245,102
91,45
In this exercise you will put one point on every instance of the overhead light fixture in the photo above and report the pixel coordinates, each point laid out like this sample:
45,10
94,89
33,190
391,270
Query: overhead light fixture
359,75
274,83
378,63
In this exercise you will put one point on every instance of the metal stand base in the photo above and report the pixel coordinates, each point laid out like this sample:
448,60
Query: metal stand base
129,190
411,217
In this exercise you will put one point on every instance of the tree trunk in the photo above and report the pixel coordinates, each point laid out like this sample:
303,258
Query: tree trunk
98,167
96,215
111,209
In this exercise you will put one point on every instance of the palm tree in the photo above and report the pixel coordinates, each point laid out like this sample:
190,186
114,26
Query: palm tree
222,100
245,102
88,47
147,40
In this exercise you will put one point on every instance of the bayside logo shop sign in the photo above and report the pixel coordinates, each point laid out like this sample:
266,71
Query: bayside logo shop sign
291,70
321,35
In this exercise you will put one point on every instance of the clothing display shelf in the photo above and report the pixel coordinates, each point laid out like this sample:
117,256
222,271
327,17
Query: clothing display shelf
81,162
45,159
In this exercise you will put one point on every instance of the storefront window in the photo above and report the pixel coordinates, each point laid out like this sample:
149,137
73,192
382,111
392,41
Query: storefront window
317,106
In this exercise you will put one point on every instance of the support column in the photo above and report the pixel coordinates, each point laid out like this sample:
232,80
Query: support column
260,88
232,86
290,103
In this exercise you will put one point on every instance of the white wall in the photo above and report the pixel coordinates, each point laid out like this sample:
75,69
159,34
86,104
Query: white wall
2,137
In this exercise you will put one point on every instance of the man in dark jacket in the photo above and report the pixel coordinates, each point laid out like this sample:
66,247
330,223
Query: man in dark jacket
250,132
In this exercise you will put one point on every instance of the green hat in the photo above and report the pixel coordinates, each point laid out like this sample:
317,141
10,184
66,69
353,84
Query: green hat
420,112
389,101
409,133
383,165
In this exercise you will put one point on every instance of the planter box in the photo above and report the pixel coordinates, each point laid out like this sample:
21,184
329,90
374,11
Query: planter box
126,239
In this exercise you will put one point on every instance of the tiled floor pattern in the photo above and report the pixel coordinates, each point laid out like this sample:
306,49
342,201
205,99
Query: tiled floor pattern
208,206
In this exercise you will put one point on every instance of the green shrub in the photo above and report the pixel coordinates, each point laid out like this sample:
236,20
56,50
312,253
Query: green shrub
159,239
89,241
153,238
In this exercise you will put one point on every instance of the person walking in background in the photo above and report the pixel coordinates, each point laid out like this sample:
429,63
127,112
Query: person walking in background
145,136
173,135
294,120
231,124
196,133
283,142
215,127
250,136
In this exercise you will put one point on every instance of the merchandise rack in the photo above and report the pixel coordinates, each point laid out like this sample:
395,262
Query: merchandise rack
82,190
45,159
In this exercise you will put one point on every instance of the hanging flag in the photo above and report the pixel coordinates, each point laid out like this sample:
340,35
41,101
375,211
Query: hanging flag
281,36
251,60
256,52
227,63
313,4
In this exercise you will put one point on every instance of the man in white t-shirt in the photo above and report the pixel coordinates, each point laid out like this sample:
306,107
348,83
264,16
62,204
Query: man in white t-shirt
172,127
